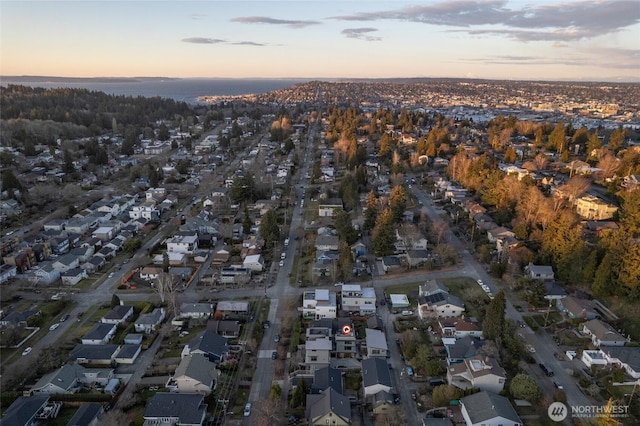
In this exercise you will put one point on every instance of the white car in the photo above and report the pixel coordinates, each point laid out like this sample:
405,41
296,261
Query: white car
281,263
247,409
480,282
26,351
531,349
54,326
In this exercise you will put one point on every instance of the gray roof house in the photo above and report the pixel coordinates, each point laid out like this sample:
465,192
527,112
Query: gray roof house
65,380
94,354
118,314
487,408
376,343
327,377
147,323
99,334
175,409
432,287
24,410
375,376
209,344
602,334
196,310
328,407
194,374
87,415
463,348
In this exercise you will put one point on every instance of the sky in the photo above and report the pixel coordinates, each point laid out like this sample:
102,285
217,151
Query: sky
492,39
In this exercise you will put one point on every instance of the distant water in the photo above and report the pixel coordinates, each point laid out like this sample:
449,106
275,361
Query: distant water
184,90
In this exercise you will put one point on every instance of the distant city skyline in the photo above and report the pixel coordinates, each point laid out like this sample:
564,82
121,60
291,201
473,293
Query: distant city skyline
493,39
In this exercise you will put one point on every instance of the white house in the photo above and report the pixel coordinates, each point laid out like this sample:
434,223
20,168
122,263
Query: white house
358,299
376,343
375,376
194,374
479,372
319,303
185,244
602,334
99,334
147,323
254,262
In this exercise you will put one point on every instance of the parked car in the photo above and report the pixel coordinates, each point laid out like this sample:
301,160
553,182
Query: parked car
409,371
277,338
274,355
64,318
27,351
247,409
54,326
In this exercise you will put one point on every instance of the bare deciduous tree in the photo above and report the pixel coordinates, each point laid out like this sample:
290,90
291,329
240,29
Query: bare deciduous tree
267,413
575,187
609,164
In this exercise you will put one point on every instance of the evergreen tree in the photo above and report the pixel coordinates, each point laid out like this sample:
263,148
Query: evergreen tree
398,202
345,262
269,230
346,231
493,324
247,223
371,212
384,235
299,394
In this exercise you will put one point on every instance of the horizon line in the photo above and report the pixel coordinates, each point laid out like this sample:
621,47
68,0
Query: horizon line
43,78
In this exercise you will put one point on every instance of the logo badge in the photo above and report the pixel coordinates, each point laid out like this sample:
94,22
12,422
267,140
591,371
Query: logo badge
557,411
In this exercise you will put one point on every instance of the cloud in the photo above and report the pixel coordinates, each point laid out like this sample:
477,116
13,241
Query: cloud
274,21
247,43
360,33
596,56
197,16
203,40
555,22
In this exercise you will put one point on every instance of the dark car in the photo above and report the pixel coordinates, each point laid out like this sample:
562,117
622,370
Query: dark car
64,318
274,355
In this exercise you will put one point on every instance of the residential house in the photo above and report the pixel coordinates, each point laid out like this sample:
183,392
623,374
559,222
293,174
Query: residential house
7,272
254,262
23,411
602,334
375,376
479,372
147,323
99,334
417,257
593,208
577,308
94,264
328,407
327,243
498,233
230,308
149,273
464,328
94,354
432,287
196,310
225,328
357,299
345,343
128,353
73,276
118,314
105,233
391,263
461,349
318,347
83,253
399,301
44,273
488,409
184,244
194,374
66,262
329,207
376,343
627,357
235,275
19,317
210,344
327,377
87,415
539,272
440,305
175,409
23,260
145,210
319,303
65,380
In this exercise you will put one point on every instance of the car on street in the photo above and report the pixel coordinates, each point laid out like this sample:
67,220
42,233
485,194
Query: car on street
274,355
64,318
277,338
409,371
54,326
26,351
111,275
281,263
247,409
480,282
267,324
531,349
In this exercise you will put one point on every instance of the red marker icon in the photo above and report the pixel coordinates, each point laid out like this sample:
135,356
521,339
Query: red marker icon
346,329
